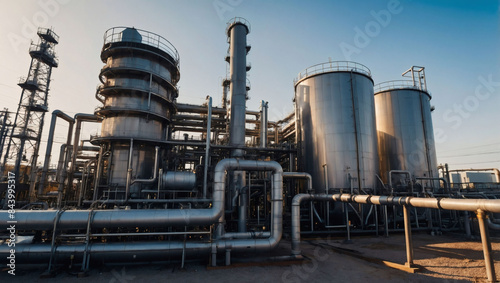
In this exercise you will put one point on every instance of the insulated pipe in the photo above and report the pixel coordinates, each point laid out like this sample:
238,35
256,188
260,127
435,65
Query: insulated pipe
242,209
191,108
263,124
207,147
488,205
79,118
146,251
60,163
84,185
50,141
77,219
300,175
297,200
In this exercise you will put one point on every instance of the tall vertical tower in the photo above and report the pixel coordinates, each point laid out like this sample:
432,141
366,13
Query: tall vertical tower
237,30
24,139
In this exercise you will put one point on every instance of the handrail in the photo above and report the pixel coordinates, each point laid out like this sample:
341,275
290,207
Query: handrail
137,67
396,84
48,32
40,48
28,80
237,20
333,66
114,34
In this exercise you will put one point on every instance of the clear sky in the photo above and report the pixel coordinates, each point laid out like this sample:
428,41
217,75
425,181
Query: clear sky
456,41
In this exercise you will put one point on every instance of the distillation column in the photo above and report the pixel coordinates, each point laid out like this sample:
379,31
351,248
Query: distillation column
138,93
237,31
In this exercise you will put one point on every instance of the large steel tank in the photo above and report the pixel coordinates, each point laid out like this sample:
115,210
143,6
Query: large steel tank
138,93
405,133
336,126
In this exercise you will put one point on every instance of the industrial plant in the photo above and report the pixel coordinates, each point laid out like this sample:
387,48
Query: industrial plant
165,180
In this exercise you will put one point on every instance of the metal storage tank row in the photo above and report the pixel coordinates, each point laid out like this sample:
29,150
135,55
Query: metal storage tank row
345,131
336,126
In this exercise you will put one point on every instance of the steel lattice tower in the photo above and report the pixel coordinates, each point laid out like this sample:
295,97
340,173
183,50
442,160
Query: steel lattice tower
4,128
26,133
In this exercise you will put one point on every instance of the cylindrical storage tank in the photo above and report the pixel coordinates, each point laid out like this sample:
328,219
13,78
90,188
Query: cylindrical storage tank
335,119
405,133
179,180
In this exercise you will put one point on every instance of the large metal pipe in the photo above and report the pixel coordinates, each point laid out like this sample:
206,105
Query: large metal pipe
242,209
207,147
444,203
178,180
50,141
77,219
79,118
146,251
237,31
191,108
305,175
263,124
485,240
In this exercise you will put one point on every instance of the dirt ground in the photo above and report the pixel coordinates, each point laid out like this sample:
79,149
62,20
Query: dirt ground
444,258
447,257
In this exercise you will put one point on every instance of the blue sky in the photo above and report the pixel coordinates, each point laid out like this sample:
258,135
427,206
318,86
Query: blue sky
457,42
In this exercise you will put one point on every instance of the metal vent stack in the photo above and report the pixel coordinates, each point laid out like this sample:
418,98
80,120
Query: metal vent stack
237,31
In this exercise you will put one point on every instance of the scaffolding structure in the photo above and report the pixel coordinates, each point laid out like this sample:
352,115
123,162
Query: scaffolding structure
26,131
